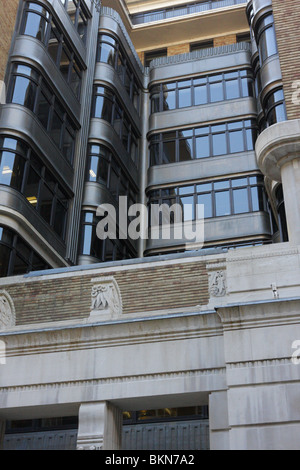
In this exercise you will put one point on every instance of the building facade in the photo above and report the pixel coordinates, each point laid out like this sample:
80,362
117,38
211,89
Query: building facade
170,344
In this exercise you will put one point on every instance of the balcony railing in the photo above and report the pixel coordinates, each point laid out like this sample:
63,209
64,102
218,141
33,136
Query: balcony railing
197,7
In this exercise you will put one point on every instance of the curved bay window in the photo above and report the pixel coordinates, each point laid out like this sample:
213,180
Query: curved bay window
79,16
203,142
202,90
21,169
220,198
281,214
28,88
103,250
103,168
266,37
16,256
108,107
39,23
110,52
275,109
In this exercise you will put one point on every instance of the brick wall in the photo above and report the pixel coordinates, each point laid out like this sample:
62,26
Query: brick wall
143,290
8,11
178,49
287,25
225,40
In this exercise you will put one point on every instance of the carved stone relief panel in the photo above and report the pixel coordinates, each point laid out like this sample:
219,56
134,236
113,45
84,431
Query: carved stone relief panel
7,311
106,298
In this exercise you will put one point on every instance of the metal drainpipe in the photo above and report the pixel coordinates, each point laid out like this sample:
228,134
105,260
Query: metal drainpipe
144,158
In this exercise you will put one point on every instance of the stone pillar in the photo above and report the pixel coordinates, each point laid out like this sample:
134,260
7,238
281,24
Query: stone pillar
2,431
100,427
218,421
278,155
263,383
290,175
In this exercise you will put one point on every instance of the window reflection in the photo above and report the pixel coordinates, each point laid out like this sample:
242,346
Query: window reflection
220,198
28,88
103,250
203,142
202,90
111,52
40,24
107,106
16,256
22,170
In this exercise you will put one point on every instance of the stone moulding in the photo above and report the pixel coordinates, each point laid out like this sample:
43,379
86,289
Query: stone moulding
7,311
106,298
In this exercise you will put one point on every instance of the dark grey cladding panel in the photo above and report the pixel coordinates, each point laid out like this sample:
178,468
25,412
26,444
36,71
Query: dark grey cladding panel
200,62
197,115
106,75
102,132
205,168
259,7
17,208
270,74
65,22
22,123
111,22
96,194
31,51
223,229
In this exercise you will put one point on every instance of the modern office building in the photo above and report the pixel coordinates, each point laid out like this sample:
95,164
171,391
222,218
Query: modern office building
149,343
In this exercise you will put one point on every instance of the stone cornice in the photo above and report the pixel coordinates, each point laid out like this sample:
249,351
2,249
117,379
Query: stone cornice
260,314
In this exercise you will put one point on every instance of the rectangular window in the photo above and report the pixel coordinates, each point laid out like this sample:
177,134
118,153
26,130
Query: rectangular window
222,200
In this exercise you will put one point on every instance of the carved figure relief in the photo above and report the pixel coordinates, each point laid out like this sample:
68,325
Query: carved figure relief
7,311
217,286
106,297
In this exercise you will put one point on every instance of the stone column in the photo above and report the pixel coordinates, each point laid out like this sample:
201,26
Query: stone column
278,155
100,427
218,421
263,383
290,175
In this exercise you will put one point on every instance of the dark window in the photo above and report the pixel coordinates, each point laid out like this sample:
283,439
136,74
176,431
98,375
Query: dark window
201,90
275,110
40,24
103,250
266,38
152,55
111,52
36,21
220,198
281,214
16,256
104,168
21,169
28,88
78,15
243,37
107,106
202,142
198,46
